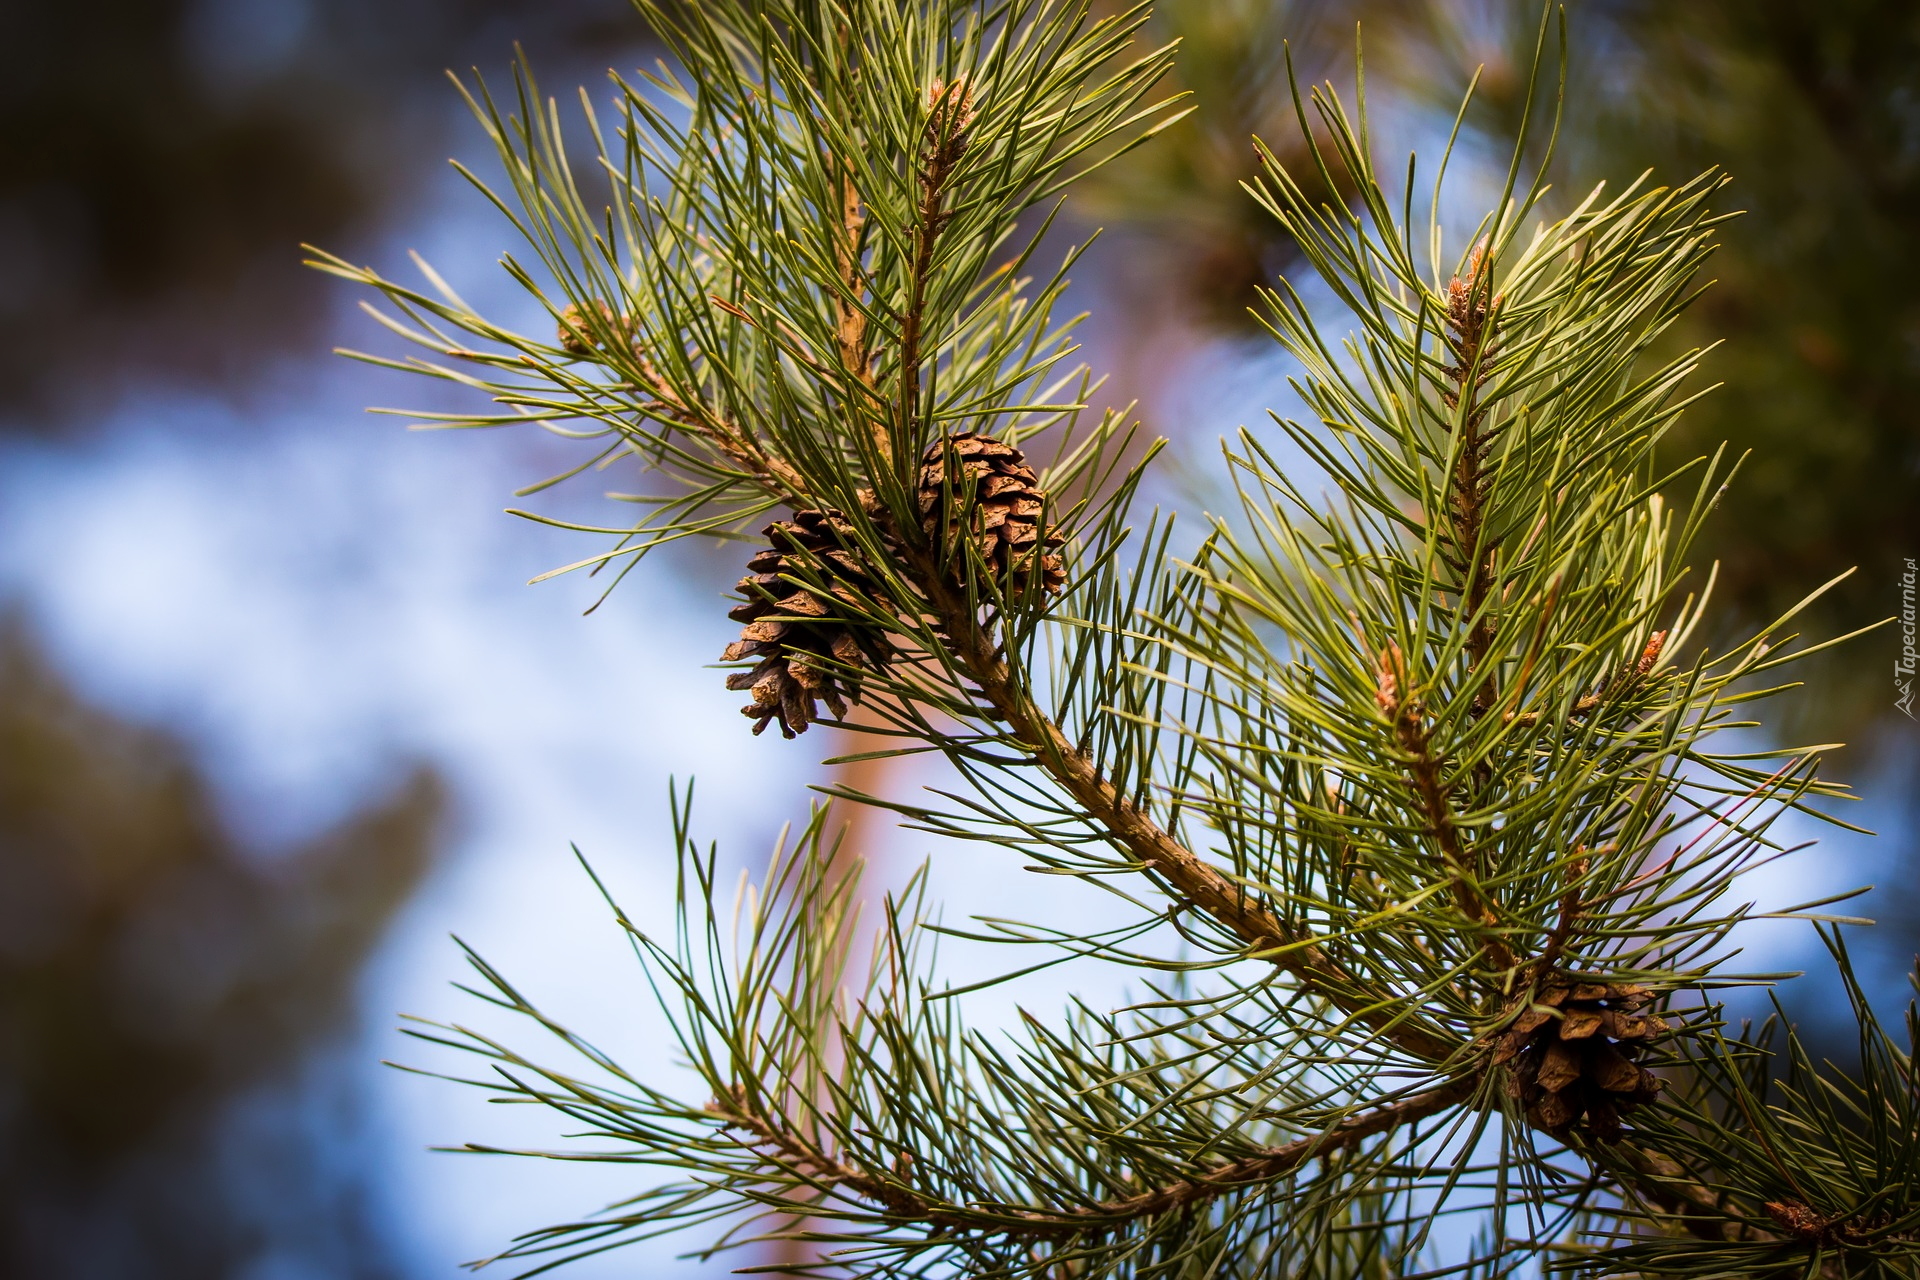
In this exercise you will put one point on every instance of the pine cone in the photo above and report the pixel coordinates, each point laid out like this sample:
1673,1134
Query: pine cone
1570,1056
1002,503
804,649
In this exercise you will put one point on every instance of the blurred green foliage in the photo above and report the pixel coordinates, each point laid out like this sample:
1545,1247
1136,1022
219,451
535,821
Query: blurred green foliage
162,160
1206,247
1816,110
156,978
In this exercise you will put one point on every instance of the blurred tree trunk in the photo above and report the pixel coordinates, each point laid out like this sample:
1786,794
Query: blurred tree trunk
167,999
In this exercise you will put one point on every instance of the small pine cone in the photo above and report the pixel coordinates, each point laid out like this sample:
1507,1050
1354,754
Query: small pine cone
576,338
999,496
805,652
1570,1057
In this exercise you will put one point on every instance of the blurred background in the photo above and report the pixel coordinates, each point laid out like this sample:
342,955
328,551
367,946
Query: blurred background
277,713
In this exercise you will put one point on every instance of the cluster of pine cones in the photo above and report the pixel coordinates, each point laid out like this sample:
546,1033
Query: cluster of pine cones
809,651
1570,1057
970,487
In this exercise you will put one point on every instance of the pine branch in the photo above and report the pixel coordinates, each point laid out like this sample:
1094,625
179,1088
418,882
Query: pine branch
1194,882
1435,752
795,1154
1403,711
943,143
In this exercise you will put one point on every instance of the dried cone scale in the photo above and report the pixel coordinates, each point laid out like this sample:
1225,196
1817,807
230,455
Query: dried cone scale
997,496
1570,1057
807,655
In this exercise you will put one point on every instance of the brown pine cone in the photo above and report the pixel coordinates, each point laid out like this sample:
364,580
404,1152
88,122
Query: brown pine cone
805,651
999,497
1570,1057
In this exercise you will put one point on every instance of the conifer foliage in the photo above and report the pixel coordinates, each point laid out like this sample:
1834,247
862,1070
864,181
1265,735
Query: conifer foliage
1411,788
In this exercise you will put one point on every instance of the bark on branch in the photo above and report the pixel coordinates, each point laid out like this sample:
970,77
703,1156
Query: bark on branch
801,1157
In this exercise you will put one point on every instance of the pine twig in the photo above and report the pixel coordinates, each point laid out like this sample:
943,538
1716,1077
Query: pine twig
943,143
1472,315
1186,873
1403,712
805,1159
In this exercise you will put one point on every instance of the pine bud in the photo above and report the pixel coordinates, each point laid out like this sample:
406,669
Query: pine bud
950,106
1650,656
1469,309
1797,1219
1392,667
949,124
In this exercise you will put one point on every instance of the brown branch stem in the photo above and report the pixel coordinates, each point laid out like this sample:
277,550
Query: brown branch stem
1437,812
926,231
773,474
850,321
1471,313
1277,1162
1192,879
817,1167
943,143
1675,1191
